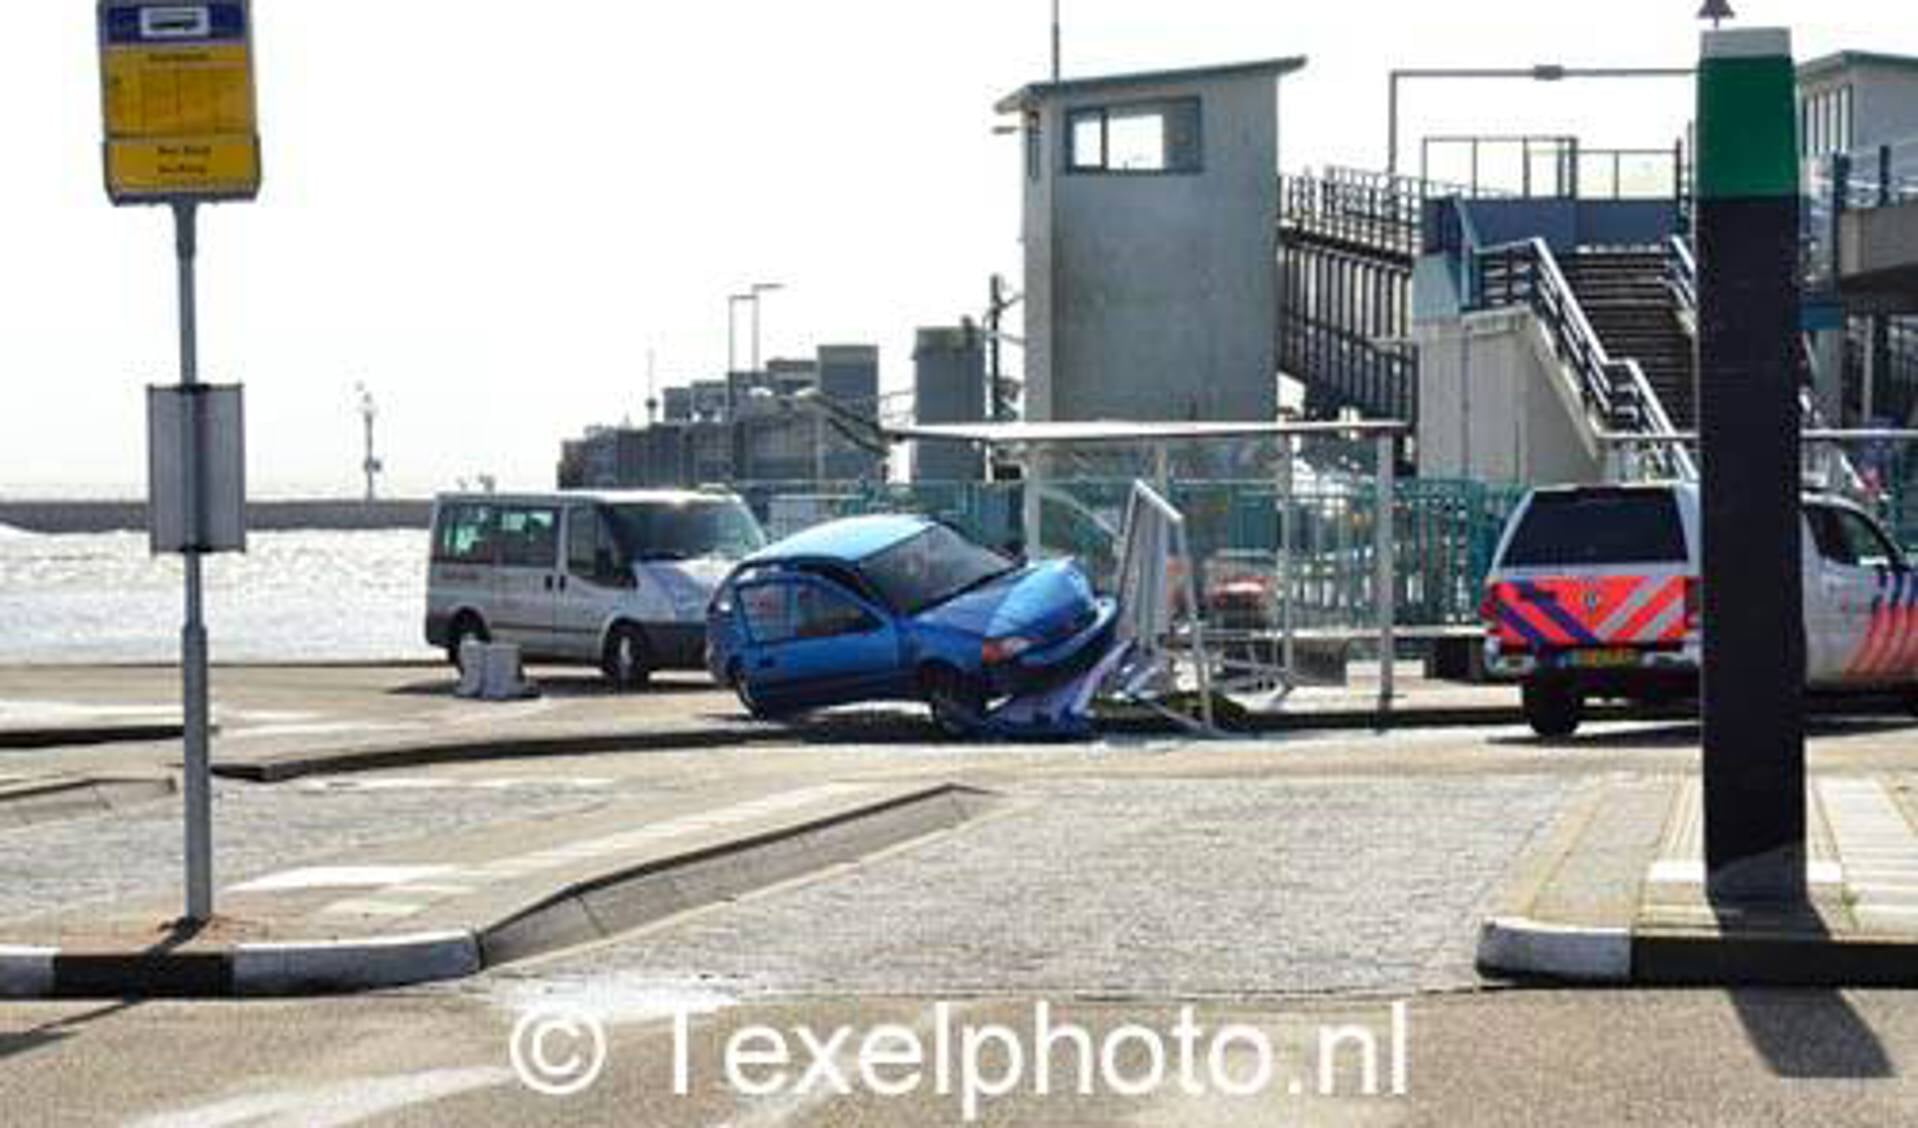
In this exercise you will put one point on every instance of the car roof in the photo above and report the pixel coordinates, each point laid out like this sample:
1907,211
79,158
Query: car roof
609,497
848,539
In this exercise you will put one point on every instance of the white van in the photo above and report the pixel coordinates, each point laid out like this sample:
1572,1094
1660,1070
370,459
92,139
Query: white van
1594,592
616,579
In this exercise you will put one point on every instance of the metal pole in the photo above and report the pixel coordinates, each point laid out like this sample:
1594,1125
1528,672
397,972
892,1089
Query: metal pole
755,332
1288,548
1383,565
1055,41
193,658
1392,125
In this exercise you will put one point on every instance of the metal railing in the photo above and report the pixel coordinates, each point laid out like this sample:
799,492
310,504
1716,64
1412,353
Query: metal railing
1617,396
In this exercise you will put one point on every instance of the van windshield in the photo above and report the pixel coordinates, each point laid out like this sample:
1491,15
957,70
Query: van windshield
1598,527
662,531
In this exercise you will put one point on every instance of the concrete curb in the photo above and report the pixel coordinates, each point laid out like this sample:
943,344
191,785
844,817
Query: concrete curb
26,972
1529,949
62,736
589,910
628,899
41,801
353,965
270,769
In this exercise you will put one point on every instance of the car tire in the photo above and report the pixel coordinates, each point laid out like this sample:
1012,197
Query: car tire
736,680
1911,700
466,625
626,661
1552,706
958,702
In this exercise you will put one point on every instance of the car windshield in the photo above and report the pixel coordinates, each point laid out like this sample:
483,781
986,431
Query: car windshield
930,568
683,531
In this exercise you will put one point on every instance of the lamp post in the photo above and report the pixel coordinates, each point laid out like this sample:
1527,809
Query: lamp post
1542,72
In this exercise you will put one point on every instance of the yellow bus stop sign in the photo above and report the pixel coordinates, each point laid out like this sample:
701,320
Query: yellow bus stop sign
177,96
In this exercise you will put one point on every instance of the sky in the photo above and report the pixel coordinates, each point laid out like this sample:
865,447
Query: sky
494,213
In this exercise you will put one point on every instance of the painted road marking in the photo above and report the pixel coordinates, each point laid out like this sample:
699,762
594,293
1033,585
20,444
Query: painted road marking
555,857
338,877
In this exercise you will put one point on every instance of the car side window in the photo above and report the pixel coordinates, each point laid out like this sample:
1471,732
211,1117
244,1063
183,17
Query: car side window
465,534
1867,547
1828,535
787,611
822,612
768,611
529,537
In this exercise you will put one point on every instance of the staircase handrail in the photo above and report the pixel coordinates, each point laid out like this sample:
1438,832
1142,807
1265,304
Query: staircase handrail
1615,391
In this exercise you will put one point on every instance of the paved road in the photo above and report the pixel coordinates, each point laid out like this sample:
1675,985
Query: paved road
1272,883
1498,1058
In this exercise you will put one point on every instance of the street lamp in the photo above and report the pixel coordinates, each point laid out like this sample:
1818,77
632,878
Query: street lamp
1542,72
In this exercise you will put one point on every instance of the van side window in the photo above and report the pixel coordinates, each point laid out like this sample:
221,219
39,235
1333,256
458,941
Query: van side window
591,552
465,534
529,537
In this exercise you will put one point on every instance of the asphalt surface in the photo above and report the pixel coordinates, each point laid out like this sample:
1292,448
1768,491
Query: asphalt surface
1288,885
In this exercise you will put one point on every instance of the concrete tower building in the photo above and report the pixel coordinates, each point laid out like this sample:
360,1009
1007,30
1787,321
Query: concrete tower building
1151,221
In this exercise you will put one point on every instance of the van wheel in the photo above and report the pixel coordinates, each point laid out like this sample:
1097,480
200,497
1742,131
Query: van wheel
958,702
626,662
465,627
1552,706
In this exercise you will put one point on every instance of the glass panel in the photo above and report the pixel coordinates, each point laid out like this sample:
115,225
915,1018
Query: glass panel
1598,527
1088,128
930,568
1137,140
769,611
824,613
465,535
1869,548
529,538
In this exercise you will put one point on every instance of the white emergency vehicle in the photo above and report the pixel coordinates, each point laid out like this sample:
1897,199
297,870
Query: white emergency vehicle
1594,592
616,579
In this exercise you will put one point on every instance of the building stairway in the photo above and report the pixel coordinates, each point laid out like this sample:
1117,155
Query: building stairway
1630,306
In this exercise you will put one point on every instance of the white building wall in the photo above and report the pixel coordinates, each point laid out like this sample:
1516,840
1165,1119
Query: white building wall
1493,404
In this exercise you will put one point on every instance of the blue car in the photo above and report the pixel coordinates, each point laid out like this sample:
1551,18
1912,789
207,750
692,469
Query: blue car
899,608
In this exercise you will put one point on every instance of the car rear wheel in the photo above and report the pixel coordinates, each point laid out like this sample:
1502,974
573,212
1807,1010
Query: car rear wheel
626,662
958,702
1911,700
1552,706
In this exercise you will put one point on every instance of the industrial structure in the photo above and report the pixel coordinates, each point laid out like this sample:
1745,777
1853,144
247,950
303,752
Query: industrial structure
773,425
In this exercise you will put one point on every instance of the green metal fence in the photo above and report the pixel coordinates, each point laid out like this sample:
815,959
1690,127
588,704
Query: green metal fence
1444,533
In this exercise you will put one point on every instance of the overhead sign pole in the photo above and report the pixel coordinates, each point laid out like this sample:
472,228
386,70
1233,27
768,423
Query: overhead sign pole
178,106
1754,659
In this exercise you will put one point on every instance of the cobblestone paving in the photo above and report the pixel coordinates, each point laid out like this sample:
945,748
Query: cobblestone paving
57,865
1165,887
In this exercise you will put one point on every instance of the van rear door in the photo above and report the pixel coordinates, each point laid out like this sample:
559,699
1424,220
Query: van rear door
1595,567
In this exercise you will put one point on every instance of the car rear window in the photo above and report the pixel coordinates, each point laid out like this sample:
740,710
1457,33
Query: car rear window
1598,527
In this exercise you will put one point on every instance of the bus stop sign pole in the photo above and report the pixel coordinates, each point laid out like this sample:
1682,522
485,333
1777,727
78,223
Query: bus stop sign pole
1748,422
193,659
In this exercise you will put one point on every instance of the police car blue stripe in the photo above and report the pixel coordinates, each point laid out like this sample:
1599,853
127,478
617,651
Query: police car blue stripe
1549,607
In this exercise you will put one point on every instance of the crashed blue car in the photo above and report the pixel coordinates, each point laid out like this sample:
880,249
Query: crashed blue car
900,608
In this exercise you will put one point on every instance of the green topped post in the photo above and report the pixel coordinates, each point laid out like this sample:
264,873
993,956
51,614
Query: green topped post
1748,422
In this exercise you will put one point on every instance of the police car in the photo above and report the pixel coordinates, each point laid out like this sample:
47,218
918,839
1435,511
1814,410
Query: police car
1594,593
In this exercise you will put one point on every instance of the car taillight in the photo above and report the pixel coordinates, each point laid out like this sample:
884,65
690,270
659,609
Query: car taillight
1488,607
1694,602
996,650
